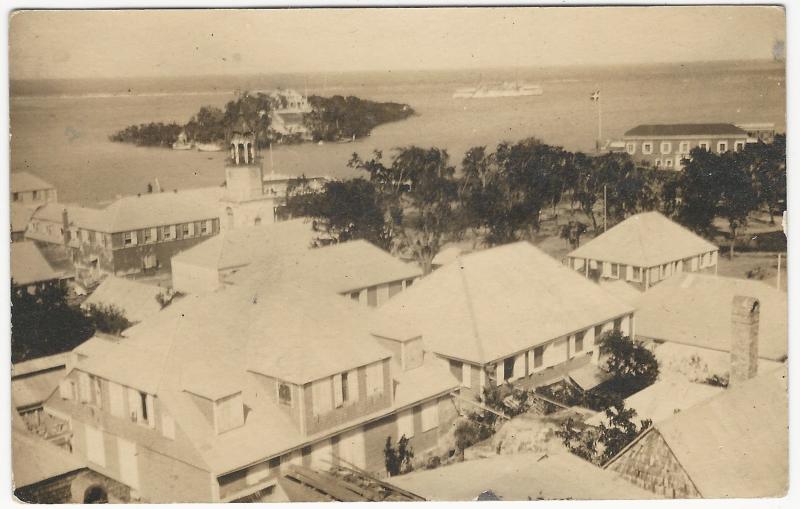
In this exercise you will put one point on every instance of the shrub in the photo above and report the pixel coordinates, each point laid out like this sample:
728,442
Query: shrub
398,459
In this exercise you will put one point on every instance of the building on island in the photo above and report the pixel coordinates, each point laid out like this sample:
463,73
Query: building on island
664,146
644,249
28,189
510,313
211,398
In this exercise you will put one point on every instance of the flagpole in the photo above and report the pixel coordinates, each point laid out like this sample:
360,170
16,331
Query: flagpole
599,119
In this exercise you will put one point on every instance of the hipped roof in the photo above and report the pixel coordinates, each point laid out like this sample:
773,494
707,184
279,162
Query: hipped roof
644,240
493,303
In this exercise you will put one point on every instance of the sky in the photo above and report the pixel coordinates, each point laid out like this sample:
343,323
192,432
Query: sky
84,44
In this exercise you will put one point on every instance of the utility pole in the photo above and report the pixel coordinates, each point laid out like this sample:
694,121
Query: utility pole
778,276
605,208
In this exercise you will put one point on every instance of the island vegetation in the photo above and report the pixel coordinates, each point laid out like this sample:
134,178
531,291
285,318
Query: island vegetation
326,119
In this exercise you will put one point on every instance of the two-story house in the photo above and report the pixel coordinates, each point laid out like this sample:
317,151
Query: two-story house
132,234
507,314
28,189
211,399
665,146
642,250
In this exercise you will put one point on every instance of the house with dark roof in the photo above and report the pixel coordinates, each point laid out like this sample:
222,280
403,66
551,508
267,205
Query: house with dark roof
507,314
642,250
665,146
217,395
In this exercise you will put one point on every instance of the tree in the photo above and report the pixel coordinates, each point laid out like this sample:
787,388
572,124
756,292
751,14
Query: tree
631,364
109,319
342,211
738,196
767,164
43,323
699,184
398,460
571,232
419,198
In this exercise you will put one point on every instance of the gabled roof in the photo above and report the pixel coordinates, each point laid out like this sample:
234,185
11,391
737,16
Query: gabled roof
644,240
20,216
695,309
337,268
136,300
22,181
29,266
736,444
167,208
34,459
493,303
648,130
242,246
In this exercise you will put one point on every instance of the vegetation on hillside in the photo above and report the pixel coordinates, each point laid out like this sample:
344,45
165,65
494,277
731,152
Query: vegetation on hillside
331,119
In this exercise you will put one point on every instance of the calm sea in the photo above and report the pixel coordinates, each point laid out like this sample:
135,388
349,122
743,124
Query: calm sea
60,128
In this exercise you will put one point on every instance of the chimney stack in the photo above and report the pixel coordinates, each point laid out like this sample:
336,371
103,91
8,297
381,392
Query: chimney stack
744,339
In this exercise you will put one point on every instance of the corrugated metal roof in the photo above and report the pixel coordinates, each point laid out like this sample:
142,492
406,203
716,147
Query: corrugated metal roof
654,130
490,304
644,240
695,309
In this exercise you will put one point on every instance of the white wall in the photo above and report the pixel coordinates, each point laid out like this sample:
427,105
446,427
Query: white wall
193,279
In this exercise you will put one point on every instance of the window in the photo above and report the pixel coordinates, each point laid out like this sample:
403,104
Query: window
630,148
340,389
375,379
322,396
185,230
614,271
668,163
97,392
205,227
508,369
168,232
666,147
229,413
684,147
430,416
372,296
355,296
352,386
739,146
722,146
658,162
16,196
168,426
409,282
284,394
636,274
466,375
275,462
538,356
150,235
405,423
36,195
618,324
129,238
579,341
704,145
647,148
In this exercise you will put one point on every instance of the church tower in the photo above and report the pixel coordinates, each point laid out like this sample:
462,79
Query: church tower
243,172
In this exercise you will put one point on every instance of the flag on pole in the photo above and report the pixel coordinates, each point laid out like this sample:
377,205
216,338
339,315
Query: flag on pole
595,97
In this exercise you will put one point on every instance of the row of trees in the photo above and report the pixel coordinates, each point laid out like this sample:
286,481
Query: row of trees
417,200
336,118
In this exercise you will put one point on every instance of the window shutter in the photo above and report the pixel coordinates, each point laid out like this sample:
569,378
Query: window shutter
134,402
191,229
321,395
629,273
352,386
466,375
153,234
430,416
134,238
499,374
84,387
337,390
115,398
172,231
519,366
405,424
65,389
375,378
151,411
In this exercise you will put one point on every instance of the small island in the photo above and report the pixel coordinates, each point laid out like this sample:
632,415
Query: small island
281,116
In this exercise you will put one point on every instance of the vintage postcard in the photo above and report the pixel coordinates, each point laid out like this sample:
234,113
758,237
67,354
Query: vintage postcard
391,254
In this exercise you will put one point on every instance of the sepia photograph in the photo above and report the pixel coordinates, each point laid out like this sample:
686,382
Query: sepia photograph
395,254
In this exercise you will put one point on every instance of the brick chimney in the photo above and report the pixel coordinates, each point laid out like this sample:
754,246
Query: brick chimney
744,339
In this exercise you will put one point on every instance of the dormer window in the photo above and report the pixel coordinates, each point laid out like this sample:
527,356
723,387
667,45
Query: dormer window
229,413
140,407
284,394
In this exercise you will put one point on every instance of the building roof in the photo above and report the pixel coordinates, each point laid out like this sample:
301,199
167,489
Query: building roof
523,476
655,130
644,240
337,268
136,300
493,303
35,459
20,215
22,181
666,398
29,266
286,333
33,389
695,309
167,208
242,246
735,445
